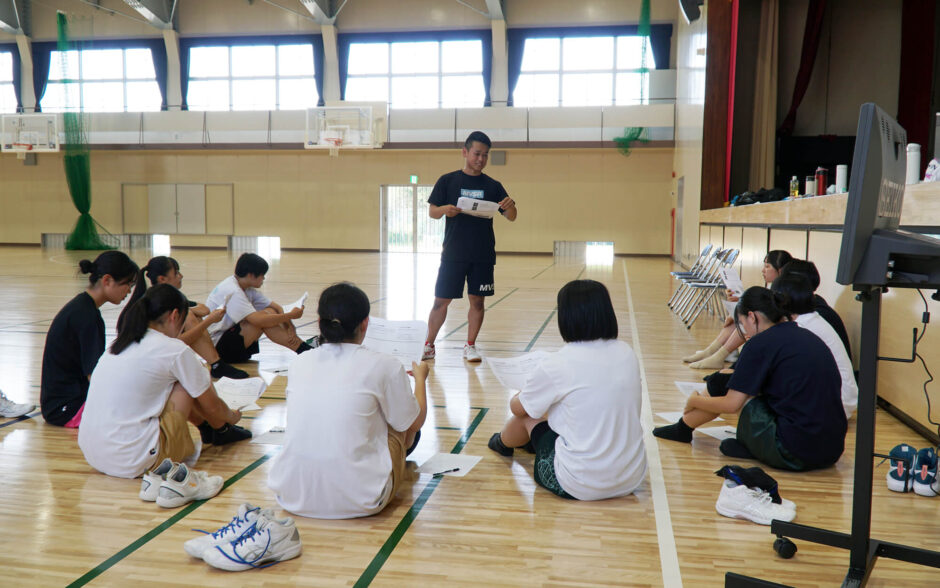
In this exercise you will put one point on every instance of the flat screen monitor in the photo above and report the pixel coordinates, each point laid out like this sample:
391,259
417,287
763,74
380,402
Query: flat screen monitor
876,187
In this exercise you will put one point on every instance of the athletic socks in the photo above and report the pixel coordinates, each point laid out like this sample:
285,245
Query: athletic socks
734,448
679,431
496,444
220,369
223,435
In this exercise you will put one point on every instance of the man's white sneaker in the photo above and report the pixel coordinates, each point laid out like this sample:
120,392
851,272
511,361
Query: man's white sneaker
429,352
267,542
470,353
150,485
240,524
737,501
12,410
186,485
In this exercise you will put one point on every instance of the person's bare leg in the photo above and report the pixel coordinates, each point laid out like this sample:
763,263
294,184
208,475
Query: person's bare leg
436,317
726,330
515,432
284,334
203,346
474,317
717,359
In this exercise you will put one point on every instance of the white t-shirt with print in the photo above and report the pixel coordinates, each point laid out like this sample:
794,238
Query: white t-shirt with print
591,393
813,322
120,428
240,304
341,401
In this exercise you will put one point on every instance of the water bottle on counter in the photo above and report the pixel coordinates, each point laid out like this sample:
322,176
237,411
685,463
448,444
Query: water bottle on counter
821,183
913,163
794,187
810,187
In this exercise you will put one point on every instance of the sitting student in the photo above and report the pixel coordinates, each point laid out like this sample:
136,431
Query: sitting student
166,270
75,339
728,339
351,418
145,389
801,306
786,387
581,406
808,269
249,313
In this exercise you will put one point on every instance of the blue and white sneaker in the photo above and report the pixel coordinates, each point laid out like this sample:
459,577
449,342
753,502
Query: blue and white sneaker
268,541
901,477
925,472
240,524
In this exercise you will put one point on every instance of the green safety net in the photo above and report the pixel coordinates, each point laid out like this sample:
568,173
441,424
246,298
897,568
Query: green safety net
77,158
633,134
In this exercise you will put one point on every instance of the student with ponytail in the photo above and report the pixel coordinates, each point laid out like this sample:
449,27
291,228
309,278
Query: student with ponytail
351,418
166,270
786,386
145,389
75,339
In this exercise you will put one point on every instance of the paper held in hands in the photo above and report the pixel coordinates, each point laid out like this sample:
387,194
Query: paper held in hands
512,372
404,340
241,394
475,207
298,304
732,280
224,303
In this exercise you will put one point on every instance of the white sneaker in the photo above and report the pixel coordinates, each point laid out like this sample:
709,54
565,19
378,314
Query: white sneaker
429,352
267,542
12,410
737,501
240,524
186,485
470,353
150,485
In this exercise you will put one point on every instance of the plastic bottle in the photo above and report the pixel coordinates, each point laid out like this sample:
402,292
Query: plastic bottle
810,186
794,187
821,183
913,163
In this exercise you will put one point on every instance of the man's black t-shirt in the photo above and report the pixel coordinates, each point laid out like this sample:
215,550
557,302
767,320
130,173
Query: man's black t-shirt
74,343
467,238
794,371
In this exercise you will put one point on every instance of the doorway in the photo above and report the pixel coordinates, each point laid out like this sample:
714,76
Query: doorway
406,226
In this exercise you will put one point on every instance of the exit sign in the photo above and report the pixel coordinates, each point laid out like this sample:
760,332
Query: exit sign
414,179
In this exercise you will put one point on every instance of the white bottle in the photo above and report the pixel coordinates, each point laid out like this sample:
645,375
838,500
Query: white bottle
913,163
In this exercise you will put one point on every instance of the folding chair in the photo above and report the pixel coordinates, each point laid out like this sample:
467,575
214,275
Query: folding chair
708,292
694,270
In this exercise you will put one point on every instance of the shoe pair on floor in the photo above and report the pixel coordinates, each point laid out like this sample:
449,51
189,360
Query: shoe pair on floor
172,485
254,538
12,410
470,353
913,470
737,501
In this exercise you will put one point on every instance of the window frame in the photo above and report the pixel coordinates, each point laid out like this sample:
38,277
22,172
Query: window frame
13,83
80,82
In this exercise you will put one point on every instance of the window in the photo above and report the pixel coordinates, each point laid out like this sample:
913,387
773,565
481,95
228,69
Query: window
252,77
102,80
7,93
583,71
424,74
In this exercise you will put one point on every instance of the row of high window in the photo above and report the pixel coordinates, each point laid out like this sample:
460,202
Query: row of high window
577,71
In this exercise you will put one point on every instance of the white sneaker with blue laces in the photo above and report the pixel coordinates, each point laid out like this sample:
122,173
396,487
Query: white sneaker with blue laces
240,524
268,541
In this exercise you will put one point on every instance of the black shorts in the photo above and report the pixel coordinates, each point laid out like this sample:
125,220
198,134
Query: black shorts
543,439
451,276
231,346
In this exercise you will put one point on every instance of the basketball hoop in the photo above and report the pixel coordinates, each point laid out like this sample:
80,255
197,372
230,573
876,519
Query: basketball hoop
21,149
335,144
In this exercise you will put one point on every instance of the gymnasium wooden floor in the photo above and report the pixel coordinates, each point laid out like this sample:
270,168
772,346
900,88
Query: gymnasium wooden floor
64,524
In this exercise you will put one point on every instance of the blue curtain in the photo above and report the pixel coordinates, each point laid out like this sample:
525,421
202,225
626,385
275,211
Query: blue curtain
158,52
187,44
17,81
344,40
42,55
660,42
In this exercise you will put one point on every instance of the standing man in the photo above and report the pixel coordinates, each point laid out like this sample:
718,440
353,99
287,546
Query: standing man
469,244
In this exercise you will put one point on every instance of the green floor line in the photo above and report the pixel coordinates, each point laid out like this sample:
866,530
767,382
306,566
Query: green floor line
539,332
542,272
382,556
464,324
117,557
578,277
25,417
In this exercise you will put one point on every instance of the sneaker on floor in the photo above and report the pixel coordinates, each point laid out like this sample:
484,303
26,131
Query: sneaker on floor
267,542
240,524
925,472
471,354
12,410
229,434
737,501
186,485
429,352
150,485
224,370
901,476
496,444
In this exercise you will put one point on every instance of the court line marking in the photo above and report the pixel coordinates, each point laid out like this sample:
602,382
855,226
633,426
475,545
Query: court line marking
668,558
143,540
369,574
20,419
487,308
541,329
543,271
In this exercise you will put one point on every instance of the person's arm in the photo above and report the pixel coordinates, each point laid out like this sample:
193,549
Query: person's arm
214,408
200,310
192,335
728,404
265,319
448,210
420,373
277,307
508,205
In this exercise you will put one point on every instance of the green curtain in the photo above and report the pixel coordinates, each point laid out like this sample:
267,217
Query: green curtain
632,134
77,164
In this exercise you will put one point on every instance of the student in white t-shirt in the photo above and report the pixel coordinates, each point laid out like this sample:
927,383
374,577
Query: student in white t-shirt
801,305
145,388
249,314
580,408
351,418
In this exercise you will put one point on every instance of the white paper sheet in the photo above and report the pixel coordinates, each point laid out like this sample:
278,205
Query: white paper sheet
300,302
241,394
402,339
732,280
442,463
672,417
224,303
720,433
729,306
512,372
475,207
275,436
687,388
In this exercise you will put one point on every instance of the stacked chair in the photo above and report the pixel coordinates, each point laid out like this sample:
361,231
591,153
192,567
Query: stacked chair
700,288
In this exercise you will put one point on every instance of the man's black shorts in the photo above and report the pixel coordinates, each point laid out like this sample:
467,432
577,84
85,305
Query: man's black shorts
231,346
451,276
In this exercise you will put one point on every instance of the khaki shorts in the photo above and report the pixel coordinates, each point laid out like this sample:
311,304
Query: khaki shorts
175,441
396,450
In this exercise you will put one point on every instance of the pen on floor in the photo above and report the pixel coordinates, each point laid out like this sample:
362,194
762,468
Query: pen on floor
447,471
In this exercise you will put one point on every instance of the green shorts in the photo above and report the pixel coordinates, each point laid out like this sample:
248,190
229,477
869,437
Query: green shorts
543,439
757,430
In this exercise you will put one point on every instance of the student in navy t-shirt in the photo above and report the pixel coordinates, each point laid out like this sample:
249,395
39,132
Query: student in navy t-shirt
469,244
786,386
